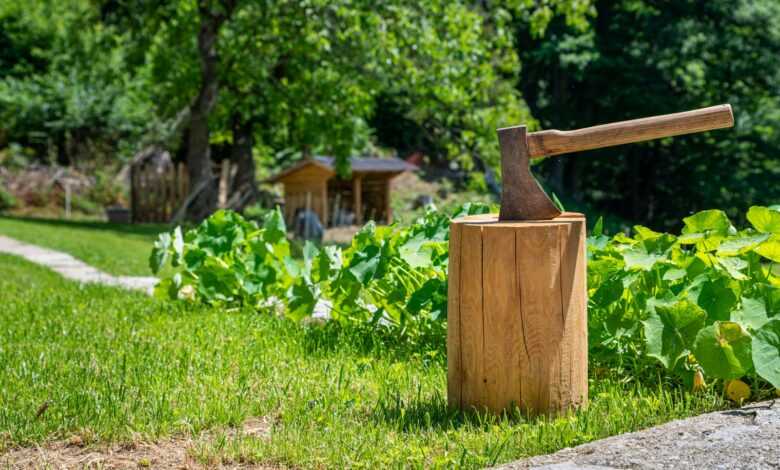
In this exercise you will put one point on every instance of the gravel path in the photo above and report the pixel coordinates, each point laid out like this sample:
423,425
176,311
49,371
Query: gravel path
745,438
71,268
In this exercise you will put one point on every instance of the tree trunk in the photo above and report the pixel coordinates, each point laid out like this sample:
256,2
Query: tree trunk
244,188
198,153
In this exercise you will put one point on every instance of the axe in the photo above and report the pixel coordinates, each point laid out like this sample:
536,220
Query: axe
521,196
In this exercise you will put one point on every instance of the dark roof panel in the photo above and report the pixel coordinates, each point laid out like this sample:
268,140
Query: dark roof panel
369,164
359,165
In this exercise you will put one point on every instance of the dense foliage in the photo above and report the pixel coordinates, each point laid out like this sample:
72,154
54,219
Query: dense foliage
391,277
646,57
81,79
706,301
67,93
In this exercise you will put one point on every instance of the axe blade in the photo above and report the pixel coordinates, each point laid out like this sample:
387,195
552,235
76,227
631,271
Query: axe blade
522,198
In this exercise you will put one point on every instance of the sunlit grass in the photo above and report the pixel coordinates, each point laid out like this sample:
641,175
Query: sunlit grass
109,365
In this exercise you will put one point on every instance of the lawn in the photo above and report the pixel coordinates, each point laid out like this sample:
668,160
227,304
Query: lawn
105,365
119,249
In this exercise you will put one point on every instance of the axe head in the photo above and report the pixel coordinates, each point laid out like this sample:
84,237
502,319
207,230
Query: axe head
522,198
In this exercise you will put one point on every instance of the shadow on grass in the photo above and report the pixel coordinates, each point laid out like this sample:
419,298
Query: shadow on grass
323,337
433,414
424,412
149,230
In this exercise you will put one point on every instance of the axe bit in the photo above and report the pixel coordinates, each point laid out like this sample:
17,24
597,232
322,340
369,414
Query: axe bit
522,198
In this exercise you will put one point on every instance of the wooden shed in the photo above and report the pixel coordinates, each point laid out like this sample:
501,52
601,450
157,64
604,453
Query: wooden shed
313,184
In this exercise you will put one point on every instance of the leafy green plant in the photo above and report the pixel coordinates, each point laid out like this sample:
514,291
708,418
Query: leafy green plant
706,301
226,260
7,200
389,277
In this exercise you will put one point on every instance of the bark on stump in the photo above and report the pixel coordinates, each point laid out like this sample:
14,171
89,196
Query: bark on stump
517,314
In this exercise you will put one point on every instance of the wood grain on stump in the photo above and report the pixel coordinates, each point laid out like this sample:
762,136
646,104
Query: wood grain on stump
517,314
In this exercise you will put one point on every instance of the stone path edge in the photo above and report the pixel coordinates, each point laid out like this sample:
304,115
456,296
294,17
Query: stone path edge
71,268
742,438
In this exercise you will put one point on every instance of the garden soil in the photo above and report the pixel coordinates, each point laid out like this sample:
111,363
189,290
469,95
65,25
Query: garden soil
173,453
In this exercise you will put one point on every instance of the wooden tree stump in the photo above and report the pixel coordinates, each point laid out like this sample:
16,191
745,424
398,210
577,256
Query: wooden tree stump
517,314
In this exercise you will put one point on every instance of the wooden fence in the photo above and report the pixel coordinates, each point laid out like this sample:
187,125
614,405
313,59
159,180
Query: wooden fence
157,191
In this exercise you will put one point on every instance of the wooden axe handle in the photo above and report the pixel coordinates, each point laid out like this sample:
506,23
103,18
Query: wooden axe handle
554,142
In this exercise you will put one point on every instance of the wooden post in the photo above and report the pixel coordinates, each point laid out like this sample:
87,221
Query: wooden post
517,314
133,193
357,189
224,176
324,204
306,216
388,206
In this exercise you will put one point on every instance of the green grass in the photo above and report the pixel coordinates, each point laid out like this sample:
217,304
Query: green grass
119,249
114,366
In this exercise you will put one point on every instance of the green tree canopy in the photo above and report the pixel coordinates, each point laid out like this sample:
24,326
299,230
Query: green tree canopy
642,58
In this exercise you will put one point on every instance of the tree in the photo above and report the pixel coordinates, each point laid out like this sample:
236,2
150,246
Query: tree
642,58
65,90
304,77
212,15
284,79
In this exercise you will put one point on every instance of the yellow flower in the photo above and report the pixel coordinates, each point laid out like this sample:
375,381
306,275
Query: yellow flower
737,391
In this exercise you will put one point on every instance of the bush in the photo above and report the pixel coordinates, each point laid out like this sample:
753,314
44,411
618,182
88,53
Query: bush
84,205
105,192
7,200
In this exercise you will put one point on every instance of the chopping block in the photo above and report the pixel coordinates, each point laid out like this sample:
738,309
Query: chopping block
517,321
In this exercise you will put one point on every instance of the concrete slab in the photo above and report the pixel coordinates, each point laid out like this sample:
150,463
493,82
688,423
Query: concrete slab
745,438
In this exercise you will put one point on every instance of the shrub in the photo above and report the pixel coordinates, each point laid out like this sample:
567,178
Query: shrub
7,200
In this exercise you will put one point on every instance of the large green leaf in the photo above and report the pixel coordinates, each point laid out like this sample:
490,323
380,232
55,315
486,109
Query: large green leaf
310,252
670,330
178,247
159,253
764,219
639,259
723,349
674,274
741,244
766,352
706,229
364,264
716,297
301,299
424,296
415,252
770,249
712,220
274,228
734,266
751,314
608,292
328,262
654,242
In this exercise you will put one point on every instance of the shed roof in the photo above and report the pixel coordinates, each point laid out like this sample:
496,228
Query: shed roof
358,165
